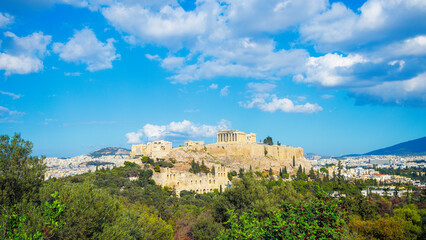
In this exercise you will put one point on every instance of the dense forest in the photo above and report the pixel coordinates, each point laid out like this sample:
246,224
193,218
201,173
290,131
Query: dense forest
106,205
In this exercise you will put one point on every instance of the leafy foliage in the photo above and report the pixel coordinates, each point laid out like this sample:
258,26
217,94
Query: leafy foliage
268,141
21,175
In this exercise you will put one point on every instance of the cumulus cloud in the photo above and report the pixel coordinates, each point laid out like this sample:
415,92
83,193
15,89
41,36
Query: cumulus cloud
331,70
25,53
13,95
85,48
213,86
378,20
271,103
5,20
134,137
415,46
224,91
242,57
375,45
257,16
183,130
411,92
171,26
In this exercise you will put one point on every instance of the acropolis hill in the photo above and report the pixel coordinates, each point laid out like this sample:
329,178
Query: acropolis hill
233,149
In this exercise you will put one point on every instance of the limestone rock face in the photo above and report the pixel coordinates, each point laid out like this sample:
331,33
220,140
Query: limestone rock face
242,155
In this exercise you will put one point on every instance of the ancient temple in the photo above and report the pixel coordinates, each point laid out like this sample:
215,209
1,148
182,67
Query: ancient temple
235,136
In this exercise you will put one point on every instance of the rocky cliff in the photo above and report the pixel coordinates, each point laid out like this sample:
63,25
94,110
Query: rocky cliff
235,156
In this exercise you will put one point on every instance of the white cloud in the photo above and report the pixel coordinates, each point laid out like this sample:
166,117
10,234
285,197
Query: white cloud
9,116
224,91
363,48
5,111
13,95
411,92
171,26
134,137
172,63
331,70
5,20
177,130
261,87
259,16
415,46
85,48
19,64
213,86
33,45
271,103
242,57
152,57
379,20
24,56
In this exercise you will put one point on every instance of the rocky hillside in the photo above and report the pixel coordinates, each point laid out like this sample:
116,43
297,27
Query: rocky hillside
413,147
109,151
235,156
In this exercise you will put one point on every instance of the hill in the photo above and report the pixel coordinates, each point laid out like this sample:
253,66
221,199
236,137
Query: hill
109,151
413,147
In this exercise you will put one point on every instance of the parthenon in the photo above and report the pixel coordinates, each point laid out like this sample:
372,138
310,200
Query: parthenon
235,136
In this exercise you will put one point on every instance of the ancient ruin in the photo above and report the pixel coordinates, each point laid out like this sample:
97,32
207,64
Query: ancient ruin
235,136
233,150
199,183
156,149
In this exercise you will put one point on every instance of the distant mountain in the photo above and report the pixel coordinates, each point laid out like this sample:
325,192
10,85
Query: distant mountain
109,151
413,147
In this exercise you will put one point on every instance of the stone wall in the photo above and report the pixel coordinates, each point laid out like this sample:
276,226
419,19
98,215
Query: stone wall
199,183
156,149
259,157
282,152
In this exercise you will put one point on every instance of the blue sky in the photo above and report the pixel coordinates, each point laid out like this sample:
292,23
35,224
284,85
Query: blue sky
333,77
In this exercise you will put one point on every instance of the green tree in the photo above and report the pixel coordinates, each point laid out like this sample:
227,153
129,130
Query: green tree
411,220
241,172
268,141
88,209
138,222
205,228
21,175
307,220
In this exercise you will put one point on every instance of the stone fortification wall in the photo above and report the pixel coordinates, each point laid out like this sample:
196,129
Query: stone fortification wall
258,156
282,153
200,183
